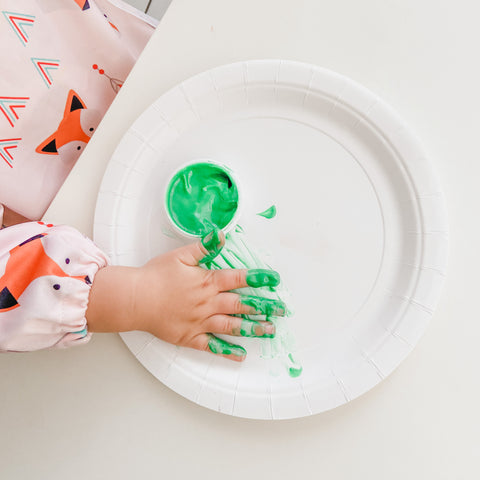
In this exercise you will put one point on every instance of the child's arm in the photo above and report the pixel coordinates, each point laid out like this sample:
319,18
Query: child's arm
47,296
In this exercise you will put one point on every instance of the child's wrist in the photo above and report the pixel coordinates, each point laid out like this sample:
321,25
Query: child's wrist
112,300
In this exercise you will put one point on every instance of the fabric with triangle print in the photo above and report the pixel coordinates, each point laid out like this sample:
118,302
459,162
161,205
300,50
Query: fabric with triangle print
51,99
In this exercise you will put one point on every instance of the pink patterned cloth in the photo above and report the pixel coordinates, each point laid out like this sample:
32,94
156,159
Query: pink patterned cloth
45,276
63,62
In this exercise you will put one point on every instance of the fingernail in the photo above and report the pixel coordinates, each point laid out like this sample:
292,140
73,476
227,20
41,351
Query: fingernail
262,278
269,330
212,242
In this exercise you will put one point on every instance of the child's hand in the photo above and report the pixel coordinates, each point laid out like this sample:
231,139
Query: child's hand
181,303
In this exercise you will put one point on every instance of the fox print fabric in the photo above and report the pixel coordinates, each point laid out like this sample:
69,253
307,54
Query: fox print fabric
63,62
46,273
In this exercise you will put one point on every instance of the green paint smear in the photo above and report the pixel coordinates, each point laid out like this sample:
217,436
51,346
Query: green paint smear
238,259
266,306
213,244
296,369
225,259
239,229
269,212
221,347
261,277
200,197
276,350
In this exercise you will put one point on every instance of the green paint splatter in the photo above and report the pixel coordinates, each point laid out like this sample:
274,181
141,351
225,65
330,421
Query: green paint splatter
260,277
213,244
200,197
221,347
296,369
264,306
239,229
269,212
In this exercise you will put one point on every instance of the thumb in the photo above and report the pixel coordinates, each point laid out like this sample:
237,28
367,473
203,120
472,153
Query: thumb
203,251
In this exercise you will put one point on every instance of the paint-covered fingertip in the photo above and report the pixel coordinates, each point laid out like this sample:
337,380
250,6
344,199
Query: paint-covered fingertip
260,277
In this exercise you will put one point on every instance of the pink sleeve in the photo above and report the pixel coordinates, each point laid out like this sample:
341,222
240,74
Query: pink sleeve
46,273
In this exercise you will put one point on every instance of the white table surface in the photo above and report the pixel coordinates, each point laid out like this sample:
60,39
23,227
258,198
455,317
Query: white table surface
95,412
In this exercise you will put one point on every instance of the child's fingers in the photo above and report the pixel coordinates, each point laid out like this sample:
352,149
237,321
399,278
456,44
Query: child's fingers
210,343
203,251
231,279
233,304
241,327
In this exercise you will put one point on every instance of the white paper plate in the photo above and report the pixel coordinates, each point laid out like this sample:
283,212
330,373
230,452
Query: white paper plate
360,238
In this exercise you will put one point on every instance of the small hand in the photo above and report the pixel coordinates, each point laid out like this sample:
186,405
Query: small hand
178,301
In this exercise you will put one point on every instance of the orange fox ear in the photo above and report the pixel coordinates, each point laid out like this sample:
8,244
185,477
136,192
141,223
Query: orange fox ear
83,4
74,102
48,146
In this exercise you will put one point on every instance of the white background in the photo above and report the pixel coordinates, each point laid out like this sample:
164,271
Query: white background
95,412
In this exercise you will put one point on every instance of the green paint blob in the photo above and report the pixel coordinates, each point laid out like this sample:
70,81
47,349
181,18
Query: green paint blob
221,347
260,277
295,370
269,212
200,197
213,244
265,306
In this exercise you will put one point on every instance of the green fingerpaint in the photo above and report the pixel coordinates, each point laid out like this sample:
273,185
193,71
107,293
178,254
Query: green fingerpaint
295,372
260,277
296,369
265,306
213,244
215,265
269,212
200,197
219,346
225,259
242,263
276,349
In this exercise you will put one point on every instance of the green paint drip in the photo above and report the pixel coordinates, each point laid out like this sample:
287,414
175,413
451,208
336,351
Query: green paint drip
200,197
221,347
269,212
295,370
261,277
264,306
213,244
238,259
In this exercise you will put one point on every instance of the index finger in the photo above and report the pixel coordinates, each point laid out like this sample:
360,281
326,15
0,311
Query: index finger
231,279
